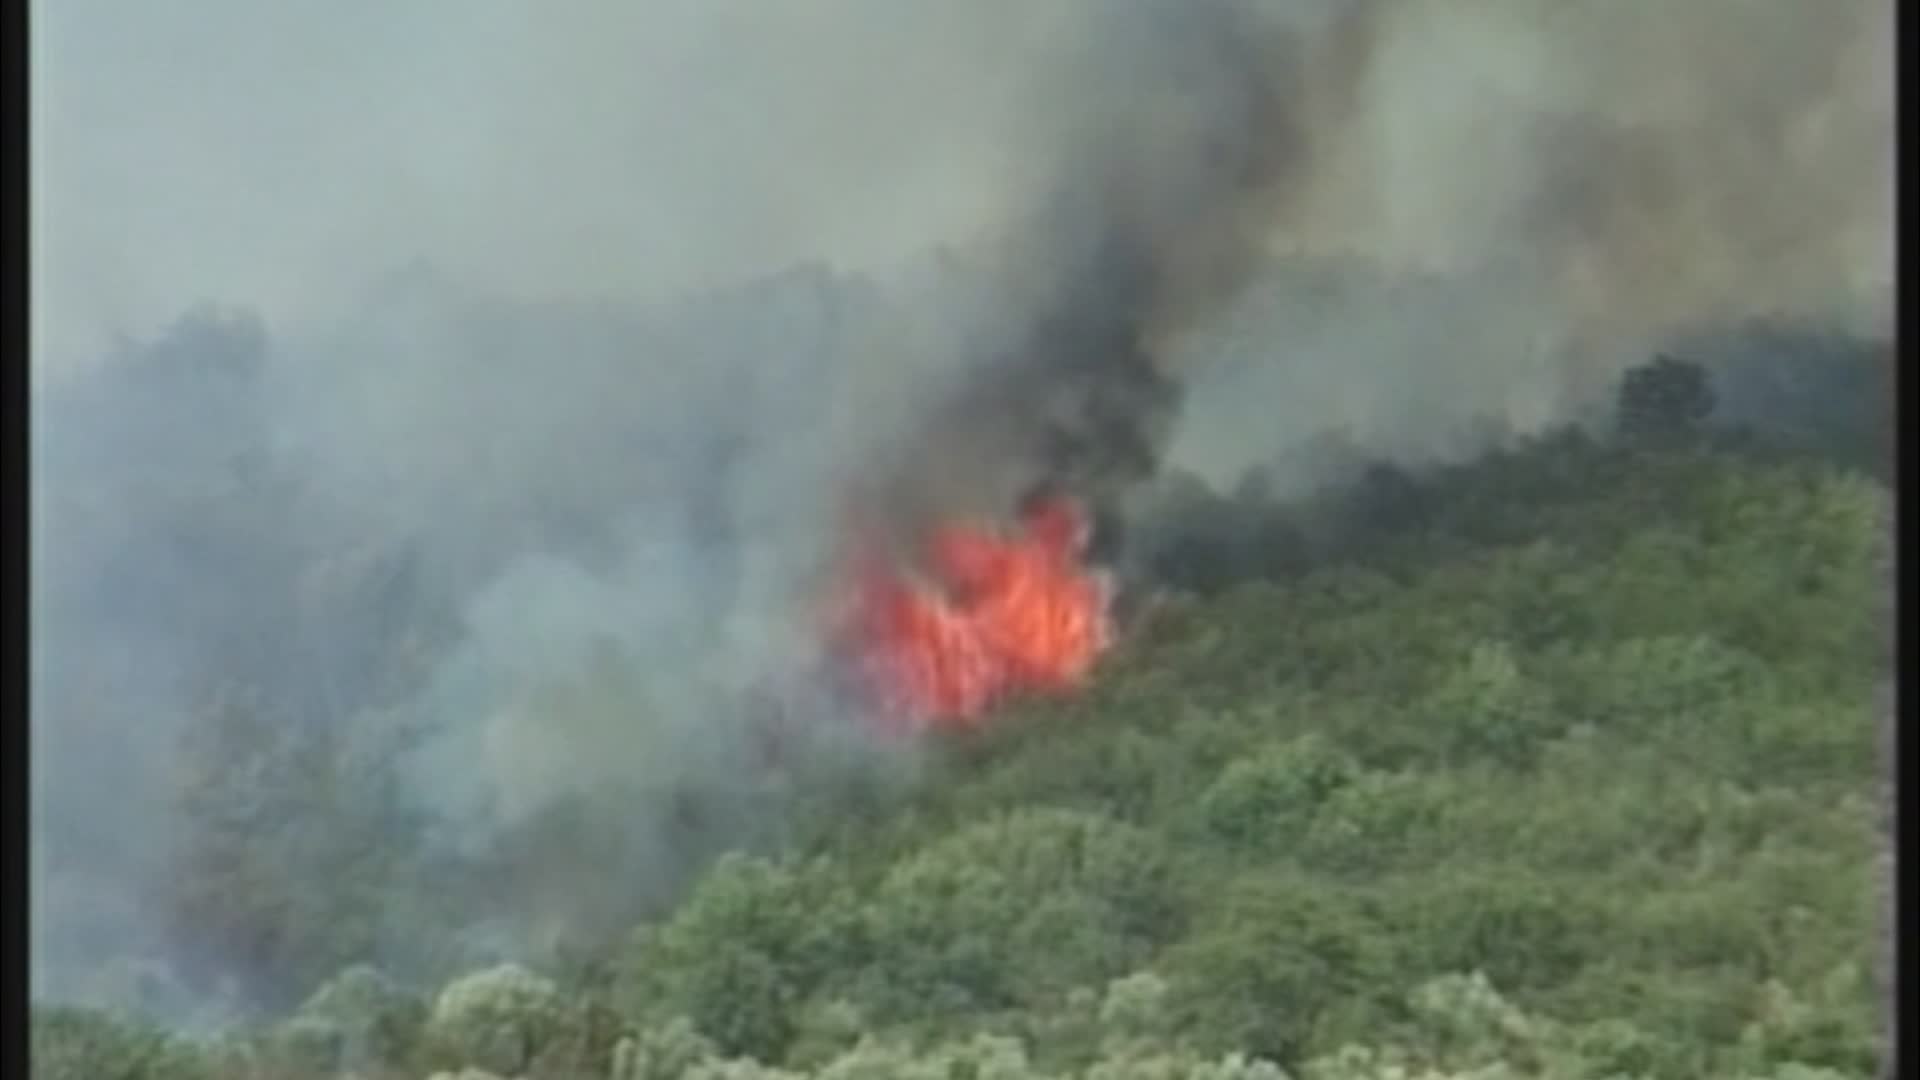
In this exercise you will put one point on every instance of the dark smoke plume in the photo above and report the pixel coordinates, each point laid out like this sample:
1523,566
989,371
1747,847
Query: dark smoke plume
1163,197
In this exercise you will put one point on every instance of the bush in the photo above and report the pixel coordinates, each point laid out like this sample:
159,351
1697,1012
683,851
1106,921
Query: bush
1490,710
1017,909
1279,966
369,1018
1664,398
1266,803
82,1044
1525,931
745,950
496,1020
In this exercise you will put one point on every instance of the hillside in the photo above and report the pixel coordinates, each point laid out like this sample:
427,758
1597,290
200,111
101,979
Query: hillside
1565,767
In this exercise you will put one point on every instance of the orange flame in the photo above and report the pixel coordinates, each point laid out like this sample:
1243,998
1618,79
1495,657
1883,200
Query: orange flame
1004,614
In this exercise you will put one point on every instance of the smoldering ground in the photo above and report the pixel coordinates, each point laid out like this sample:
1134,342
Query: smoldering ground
523,531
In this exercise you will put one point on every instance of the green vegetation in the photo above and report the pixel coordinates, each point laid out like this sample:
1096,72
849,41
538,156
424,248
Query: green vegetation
1567,769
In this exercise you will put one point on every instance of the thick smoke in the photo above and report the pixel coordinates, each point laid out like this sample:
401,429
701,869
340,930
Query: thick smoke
1534,196
586,331
1179,136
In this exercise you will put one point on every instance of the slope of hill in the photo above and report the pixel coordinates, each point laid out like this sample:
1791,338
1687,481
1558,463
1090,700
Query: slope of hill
1566,769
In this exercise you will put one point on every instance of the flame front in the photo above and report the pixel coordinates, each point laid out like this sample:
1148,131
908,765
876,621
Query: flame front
996,614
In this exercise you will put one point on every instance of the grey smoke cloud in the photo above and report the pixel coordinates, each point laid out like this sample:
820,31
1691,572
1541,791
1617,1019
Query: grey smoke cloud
284,156
536,368
1591,180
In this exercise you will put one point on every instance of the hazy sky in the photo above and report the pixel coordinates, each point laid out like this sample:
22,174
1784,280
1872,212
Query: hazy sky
281,154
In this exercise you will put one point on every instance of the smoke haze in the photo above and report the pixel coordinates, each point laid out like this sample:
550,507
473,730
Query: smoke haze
568,337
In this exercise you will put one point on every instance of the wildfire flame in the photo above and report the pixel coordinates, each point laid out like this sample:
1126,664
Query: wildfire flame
995,613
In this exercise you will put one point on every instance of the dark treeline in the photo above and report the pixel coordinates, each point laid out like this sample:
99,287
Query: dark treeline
1762,388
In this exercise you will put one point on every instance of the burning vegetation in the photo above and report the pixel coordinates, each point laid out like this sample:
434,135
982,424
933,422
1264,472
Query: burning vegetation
988,613
1157,218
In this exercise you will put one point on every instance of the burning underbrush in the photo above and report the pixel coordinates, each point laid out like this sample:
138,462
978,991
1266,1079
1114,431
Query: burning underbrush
978,613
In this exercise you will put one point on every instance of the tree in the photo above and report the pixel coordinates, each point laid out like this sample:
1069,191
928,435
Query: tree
1010,910
1664,399
288,864
1280,965
1266,802
745,950
81,1044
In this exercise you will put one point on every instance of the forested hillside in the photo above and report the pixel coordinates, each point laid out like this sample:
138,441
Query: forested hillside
1557,763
